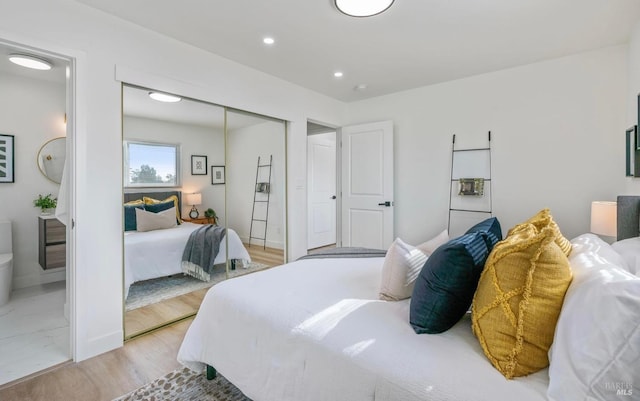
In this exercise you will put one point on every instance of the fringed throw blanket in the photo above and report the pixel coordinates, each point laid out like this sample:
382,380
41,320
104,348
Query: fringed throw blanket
201,250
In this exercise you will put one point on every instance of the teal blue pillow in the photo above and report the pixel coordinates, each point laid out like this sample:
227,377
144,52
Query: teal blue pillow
448,280
159,207
130,223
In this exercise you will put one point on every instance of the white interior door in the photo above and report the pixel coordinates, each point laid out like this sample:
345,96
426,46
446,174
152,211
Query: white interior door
321,179
367,185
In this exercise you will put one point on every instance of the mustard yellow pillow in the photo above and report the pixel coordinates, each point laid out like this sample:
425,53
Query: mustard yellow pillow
544,219
134,202
174,198
520,293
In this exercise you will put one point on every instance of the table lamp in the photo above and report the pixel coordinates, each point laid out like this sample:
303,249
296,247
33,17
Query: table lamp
193,200
604,218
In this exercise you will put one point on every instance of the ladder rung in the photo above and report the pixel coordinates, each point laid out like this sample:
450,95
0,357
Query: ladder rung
258,238
457,179
264,165
258,220
261,201
470,210
470,150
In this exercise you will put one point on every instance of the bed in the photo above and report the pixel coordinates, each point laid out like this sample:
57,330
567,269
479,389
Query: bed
158,253
316,330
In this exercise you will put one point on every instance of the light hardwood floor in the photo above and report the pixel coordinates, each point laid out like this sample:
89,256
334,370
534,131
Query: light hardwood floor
141,320
106,376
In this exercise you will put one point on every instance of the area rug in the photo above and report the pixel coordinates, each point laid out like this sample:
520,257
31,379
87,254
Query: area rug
184,384
147,292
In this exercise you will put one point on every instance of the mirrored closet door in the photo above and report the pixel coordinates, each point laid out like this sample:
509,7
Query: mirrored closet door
184,163
256,185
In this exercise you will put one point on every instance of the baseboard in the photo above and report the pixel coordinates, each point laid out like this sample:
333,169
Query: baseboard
37,279
100,345
269,244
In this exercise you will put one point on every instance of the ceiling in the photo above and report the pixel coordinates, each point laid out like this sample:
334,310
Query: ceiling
57,73
414,43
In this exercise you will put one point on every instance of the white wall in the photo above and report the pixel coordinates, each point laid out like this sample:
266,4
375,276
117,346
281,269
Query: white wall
33,111
193,140
245,145
106,48
557,137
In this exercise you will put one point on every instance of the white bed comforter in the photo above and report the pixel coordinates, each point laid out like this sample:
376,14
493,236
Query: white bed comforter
315,330
158,253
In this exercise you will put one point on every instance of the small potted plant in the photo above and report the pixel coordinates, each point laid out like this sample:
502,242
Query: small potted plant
46,203
211,216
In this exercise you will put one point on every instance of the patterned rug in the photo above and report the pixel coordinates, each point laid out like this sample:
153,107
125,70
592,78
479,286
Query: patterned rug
184,384
147,292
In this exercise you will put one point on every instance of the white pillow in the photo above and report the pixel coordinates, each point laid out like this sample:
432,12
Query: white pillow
402,265
596,347
629,249
431,245
148,221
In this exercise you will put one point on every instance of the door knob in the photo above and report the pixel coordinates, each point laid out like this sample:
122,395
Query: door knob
386,204
333,197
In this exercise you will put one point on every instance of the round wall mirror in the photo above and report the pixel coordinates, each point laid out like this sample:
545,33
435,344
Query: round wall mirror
51,158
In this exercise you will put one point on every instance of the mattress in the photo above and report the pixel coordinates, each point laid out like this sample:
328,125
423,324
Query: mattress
315,330
158,253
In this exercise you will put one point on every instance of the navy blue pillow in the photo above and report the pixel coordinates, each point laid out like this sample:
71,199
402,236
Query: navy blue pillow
130,223
492,227
448,280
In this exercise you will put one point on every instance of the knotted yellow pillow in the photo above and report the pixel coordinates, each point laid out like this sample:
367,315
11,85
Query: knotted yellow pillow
516,306
544,219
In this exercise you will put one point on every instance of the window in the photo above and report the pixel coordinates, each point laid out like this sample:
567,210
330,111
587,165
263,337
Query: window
150,164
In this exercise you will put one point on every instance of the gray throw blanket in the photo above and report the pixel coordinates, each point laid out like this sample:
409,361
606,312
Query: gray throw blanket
346,252
201,250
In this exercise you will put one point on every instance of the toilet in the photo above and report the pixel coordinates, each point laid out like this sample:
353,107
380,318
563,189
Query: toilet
6,261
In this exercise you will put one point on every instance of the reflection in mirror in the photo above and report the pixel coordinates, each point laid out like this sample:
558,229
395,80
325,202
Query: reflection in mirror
256,185
174,162
51,159
159,140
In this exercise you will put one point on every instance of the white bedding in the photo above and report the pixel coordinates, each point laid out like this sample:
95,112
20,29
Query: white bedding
315,330
158,253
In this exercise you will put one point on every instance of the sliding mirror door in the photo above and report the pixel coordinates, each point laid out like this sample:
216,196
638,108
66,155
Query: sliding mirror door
255,186
168,151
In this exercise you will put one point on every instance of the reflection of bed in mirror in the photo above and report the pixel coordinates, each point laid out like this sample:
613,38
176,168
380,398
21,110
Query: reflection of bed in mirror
158,253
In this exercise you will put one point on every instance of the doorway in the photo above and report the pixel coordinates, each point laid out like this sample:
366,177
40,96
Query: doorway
38,112
321,186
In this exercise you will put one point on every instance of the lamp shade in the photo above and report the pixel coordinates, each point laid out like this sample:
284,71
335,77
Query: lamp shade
193,199
604,218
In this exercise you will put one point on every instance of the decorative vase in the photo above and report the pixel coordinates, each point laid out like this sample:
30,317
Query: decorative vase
47,211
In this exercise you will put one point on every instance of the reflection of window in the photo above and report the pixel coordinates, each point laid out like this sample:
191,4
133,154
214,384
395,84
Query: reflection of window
150,164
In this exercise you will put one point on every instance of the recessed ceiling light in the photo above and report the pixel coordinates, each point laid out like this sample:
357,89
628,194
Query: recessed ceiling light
338,74
268,41
163,97
362,8
29,61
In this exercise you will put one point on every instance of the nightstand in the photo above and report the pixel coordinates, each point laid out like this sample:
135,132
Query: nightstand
200,220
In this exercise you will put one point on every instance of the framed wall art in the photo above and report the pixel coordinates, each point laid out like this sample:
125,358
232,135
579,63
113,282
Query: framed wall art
198,165
7,173
217,175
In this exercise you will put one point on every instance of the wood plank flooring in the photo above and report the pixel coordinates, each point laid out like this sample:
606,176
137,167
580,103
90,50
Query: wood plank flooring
105,376
141,320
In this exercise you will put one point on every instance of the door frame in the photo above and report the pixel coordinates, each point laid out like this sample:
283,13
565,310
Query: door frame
75,118
338,178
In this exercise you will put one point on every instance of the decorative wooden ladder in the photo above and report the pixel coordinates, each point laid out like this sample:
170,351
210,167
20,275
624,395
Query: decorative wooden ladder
470,194
261,187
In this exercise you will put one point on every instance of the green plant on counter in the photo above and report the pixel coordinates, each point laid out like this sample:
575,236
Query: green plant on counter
45,202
